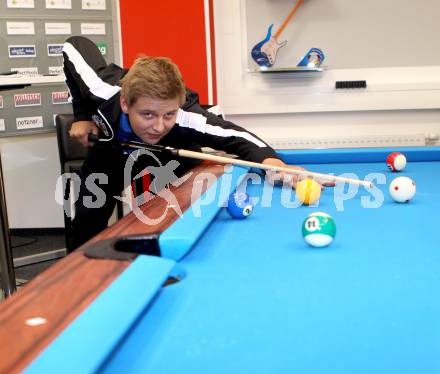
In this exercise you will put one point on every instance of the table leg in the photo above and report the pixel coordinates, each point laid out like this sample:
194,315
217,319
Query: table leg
6,259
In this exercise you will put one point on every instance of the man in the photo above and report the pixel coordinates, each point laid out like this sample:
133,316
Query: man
147,103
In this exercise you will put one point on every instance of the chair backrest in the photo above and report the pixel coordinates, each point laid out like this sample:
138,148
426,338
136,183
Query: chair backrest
69,149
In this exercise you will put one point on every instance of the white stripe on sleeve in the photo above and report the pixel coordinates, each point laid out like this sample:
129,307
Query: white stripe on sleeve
96,85
198,123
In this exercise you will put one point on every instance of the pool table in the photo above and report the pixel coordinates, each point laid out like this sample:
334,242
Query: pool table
251,296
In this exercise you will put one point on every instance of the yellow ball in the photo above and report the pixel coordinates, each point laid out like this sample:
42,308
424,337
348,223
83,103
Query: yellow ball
308,191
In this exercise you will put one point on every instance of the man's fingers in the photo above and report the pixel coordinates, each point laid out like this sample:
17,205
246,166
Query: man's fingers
282,178
326,183
83,139
80,131
289,179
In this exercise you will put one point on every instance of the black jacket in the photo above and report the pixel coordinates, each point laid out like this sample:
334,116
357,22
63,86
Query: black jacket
94,89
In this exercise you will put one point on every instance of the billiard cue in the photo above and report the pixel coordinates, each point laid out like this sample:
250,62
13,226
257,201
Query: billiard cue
236,161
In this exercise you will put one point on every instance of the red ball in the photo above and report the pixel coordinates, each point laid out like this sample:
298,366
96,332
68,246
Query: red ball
396,161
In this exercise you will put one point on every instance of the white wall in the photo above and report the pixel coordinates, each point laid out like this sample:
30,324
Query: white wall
352,33
344,129
30,169
398,100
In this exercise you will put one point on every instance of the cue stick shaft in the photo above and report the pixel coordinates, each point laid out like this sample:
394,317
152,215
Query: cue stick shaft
236,161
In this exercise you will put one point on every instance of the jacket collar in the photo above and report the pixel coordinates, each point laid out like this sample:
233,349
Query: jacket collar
110,111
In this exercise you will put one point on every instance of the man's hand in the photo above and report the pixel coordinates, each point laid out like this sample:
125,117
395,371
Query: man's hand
80,131
283,177
276,177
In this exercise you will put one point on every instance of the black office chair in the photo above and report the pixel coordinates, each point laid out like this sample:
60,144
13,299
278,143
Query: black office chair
72,155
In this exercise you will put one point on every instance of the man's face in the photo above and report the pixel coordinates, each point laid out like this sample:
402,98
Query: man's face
151,119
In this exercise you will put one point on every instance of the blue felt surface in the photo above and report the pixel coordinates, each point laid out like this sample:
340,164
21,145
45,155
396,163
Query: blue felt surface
89,340
257,299
178,239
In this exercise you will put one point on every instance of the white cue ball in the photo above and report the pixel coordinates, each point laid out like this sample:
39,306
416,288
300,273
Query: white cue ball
402,189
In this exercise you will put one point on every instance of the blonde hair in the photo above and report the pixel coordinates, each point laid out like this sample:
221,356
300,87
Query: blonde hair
155,78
